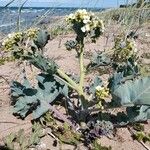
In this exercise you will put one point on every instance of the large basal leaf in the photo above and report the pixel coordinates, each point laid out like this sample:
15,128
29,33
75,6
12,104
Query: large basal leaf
27,99
136,92
41,39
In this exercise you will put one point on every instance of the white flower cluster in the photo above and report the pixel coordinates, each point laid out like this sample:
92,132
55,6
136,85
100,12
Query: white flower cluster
32,32
11,40
87,20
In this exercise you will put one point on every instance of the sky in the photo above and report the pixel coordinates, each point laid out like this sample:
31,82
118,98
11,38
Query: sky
68,3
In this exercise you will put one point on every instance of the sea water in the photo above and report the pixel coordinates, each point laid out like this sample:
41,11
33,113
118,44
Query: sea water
29,16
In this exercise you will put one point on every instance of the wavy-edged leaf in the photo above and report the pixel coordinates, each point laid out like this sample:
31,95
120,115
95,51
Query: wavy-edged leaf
28,100
39,61
136,92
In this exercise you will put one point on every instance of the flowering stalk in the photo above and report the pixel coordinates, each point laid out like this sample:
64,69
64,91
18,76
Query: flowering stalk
84,24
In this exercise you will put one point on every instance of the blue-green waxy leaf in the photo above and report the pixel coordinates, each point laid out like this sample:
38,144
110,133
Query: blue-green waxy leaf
138,114
17,89
136,92
65,90
41,109
115,81
39,61
28,99
99,59
41,39
97,82
144,114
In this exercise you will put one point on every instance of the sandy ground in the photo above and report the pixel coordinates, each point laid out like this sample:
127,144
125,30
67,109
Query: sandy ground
66,60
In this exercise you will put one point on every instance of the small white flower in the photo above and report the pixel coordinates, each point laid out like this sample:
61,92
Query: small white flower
95,23
83,29
135,63
71,16
99,88
86,19
82,11
86,28
134,45
11,35
147,35
3,43
135,50
102,25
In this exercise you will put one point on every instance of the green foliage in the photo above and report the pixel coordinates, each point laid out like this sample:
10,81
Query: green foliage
23,141
27,99
97,146
138,114
48,120
135,96
138,127
99,59
5,59
128,68
9,141
97,82
141,136
126,88
42,63
37,133
135,92
67,135
41,39
71,45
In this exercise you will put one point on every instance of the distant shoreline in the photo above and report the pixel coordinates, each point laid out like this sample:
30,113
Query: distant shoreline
72,8
9,16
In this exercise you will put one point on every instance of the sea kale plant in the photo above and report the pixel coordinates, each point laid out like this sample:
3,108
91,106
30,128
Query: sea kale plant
125,87
52,81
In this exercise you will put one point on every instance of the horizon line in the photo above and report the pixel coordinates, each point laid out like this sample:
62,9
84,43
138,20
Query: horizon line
57,7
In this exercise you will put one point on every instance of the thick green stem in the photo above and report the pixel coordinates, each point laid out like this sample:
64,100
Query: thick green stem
81,67
64,81
73,84
68,79
82,74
